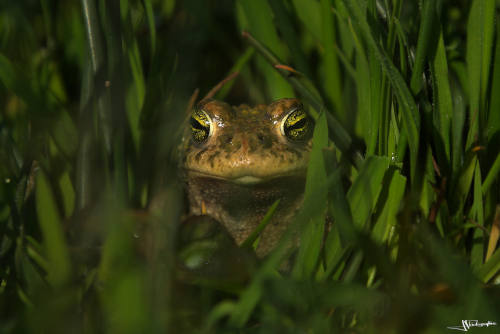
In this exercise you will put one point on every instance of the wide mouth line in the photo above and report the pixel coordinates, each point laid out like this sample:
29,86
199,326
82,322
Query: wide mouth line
246,178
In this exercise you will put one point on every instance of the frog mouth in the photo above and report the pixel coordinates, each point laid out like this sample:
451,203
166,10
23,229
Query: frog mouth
248,180
245,180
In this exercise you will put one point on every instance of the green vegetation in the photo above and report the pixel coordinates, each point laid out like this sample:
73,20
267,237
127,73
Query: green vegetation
401,217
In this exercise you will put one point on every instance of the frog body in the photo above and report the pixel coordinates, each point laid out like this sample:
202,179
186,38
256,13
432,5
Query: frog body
237,161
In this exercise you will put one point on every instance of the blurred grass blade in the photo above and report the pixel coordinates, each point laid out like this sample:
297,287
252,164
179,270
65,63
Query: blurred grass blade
53,235
364,192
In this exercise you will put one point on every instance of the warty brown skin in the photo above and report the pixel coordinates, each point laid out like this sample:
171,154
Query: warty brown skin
244,166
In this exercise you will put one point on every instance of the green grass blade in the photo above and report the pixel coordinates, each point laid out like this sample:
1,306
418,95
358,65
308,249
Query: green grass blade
331,71
315,196
67,194
53,235
408,107
477,252
490,268
463,183
93,65
364,192
290,35
367,119
492,175
240,63
444,103
480,28
258,16
309,14
151,25
493,127
426,40
340,136
457,125
92,27
387,217
113,119
135,101
255,234
18,82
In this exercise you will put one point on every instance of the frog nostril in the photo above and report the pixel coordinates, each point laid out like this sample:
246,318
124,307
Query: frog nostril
261,137
229,139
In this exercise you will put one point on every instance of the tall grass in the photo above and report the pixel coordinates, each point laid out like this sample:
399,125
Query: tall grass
401,217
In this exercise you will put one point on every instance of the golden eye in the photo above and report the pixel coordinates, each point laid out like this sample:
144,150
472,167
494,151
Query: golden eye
296,125
201,125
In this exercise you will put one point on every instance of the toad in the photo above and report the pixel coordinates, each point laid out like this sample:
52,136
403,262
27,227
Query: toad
238,160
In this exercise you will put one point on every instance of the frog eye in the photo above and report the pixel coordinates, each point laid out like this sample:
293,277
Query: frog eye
296,125
201,125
